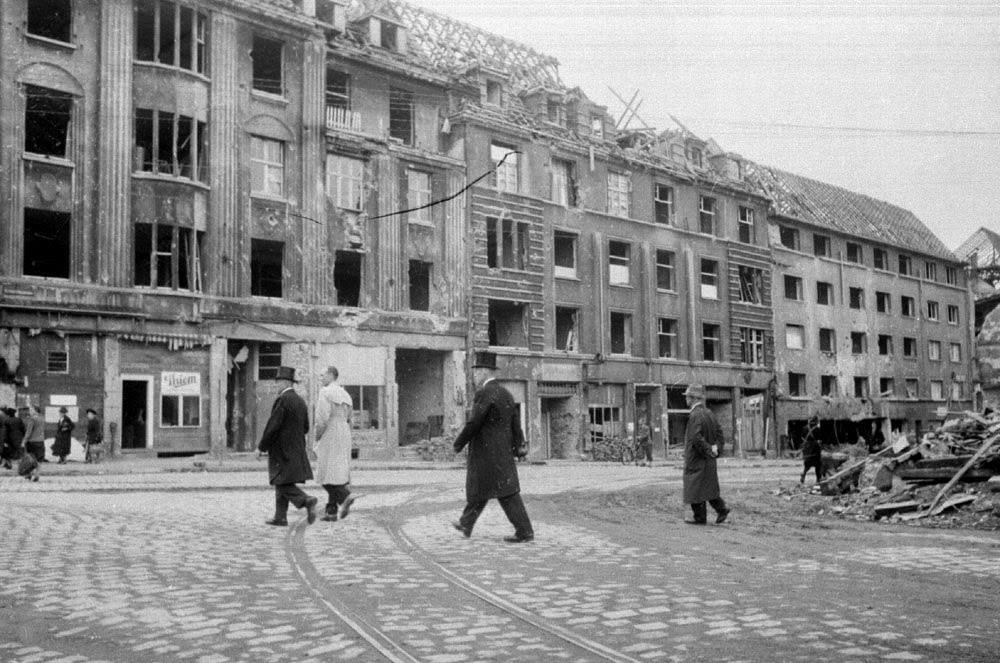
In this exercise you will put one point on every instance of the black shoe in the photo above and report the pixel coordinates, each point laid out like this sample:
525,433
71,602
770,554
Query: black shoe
329,518
465,532
345,508
721,516
311,510
276,522
519,539
695,522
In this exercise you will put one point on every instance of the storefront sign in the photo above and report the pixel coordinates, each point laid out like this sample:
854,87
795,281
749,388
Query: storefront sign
180,384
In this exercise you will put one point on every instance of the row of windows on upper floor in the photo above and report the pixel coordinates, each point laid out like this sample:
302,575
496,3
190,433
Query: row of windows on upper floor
795,339
888,389
794,291
822,246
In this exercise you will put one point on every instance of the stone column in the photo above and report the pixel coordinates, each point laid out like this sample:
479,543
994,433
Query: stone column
112,395
11,174
218,364
317,267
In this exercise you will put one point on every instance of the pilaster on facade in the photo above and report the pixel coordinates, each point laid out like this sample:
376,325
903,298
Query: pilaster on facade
389,237
317,266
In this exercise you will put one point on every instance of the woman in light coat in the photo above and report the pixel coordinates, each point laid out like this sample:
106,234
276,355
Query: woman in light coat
333,445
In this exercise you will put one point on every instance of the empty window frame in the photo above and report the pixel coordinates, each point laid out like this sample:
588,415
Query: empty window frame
857,298
821,245
828,385
824,293
855,253
170,144
180,411
751,285
747,231
953,316
934,350
706,215
859,343
507,324
597,126
957,391
930,271
418,196
860,387
605,422
909,347
420,285
884,344
401,115
555,113
171,34
793,288
268,360
47,115
912,386
905,265
665,269
827,340
46,249
663,204
907,306
709,278
886,387
752,346
711,342
951,275
338,89
795,337
883,302
267,167
494,93
266,267
796,384
507,243
564,254
345,182
52,19
505,167
619,261
347,277
937,390
666,336
567,329
621,333
932,310
789,237
268,66
955,352
880,259
167,256
619,188
563,187
367,404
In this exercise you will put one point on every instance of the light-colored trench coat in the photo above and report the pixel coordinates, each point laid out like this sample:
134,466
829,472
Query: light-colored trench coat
333,443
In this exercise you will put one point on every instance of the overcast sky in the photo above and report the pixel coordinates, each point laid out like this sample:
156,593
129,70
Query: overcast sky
897,100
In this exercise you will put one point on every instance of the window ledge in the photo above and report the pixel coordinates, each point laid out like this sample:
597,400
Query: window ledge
621,285
172,68
566,278
269,97
425,224
268,198
173,179
664,291
48,41
53,161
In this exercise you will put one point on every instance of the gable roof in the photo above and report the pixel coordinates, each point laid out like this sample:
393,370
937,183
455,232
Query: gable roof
821,204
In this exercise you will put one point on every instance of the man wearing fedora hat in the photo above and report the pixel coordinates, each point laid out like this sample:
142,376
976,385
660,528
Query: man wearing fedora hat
702,440
494,436
284,441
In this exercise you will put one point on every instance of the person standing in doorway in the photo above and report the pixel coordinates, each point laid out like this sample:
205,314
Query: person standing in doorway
702,441
812,455
284,442
64,430
333,445
95,437
34,434
11,435
494,437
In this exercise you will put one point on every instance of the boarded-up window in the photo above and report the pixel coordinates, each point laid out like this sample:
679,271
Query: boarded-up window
268,360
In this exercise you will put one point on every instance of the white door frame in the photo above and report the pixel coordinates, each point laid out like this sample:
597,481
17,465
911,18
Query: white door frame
148,379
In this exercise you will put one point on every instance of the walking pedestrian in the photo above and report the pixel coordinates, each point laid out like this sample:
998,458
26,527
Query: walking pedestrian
15,431
494,436
95,437
333,445
64,429
34,434
702,440
284,442
812,456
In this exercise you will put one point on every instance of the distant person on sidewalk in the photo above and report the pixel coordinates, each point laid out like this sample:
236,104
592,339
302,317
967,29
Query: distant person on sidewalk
812,456
333,445
64,431
284,442
34,434
95,437
11,436
702,440
494,437
645,439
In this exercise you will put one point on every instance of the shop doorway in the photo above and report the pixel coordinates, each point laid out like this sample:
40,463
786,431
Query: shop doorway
137,408
560,428
420,389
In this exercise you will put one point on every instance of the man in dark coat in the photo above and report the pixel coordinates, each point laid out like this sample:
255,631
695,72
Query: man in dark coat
494,436
702,440
812,454
284,442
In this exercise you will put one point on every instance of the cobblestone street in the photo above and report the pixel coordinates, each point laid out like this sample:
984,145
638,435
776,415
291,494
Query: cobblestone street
166,567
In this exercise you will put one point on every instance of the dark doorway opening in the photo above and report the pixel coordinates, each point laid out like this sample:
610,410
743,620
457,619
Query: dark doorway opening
134,415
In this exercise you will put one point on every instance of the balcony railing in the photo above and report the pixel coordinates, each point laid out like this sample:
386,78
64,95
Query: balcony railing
342,118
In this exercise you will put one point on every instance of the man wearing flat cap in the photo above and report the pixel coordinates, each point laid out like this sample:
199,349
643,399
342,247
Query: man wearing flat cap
494,436
702,440
284,441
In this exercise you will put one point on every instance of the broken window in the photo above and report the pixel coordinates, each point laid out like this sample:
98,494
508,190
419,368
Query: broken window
859,343
666,336
709,278
347,277
47,115
880,259
854,253
170,34
621,333
752,346
266,267
751,285
951,275
746,225
796,384
494,94
909,346
857,298
367,404
907,306
793,288
46,243
268,67
505,167
507,324
619,258
389,36
555,113
507,243
912,386
619,188
420,285
937,390
860,387
932,310
492,242
401,115
828,385
795,337
268,360
664,270
952,314
789,237
338,89
884,344
905,265
52,19
564,254
821,245
934,350
418,196
567,330
824,293
170,144
711,342
267,167
345,182
597,126
706,215
827,340
605,422
883,302
167,256
563,183
886,387
663,204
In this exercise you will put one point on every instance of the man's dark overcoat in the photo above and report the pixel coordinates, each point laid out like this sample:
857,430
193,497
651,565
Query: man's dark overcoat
284,440
701,477
494,436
